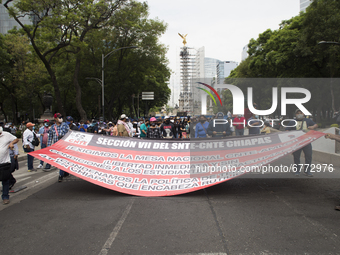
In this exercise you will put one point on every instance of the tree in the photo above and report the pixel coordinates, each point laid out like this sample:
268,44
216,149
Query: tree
129,71
59,27
22,77
292,51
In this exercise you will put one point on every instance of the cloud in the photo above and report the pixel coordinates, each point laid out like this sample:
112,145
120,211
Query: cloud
224,27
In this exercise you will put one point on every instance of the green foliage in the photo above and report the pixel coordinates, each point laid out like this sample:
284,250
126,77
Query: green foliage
128,72
23,78
227,102
66,45
335,125
18,134
292,51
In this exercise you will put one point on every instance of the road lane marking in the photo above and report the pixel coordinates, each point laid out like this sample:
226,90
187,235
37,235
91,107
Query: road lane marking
218,253
116,229
21,175
23,179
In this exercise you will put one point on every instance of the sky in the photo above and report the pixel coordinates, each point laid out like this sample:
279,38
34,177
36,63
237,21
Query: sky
223,27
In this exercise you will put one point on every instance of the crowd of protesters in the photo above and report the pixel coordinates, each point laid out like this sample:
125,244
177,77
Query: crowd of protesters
169,127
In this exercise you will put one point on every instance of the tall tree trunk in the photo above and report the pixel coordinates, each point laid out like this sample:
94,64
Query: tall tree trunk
13,109
3,111
77,87
16,110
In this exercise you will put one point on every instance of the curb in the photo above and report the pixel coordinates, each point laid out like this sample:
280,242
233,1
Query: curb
326,157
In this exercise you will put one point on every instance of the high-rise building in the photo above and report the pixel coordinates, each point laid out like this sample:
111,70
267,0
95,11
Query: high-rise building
304,4
210,67
8,23
223,70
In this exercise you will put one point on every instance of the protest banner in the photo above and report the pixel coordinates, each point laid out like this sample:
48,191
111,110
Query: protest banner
167,167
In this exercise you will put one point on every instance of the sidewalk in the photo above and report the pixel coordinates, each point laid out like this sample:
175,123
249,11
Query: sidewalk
324,150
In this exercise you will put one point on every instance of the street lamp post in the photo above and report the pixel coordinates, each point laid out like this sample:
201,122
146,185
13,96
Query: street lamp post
101,82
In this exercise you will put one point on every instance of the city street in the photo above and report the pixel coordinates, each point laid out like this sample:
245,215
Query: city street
292,215
203,128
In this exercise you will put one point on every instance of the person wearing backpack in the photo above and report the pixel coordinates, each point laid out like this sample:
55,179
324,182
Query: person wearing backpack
30,140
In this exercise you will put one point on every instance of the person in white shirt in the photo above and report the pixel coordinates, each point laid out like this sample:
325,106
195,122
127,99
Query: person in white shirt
28,137
7,141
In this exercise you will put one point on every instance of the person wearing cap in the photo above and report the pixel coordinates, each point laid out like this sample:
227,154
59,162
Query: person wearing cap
153,132
71,125
304,124
167,128
28,137
123,128
216,129
56,132
109,129
43,131
7,141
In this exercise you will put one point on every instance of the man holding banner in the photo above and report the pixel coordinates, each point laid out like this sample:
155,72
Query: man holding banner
304,124
219,127
57,131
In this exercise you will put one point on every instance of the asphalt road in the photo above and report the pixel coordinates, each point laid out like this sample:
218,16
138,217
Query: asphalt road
279,214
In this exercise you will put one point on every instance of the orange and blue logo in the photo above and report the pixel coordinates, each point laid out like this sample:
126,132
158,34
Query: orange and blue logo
209,93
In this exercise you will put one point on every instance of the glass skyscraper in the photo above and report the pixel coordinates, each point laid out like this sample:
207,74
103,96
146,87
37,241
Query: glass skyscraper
304,4
7,23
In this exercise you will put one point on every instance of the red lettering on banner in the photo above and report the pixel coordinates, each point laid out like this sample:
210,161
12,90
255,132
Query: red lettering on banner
165,168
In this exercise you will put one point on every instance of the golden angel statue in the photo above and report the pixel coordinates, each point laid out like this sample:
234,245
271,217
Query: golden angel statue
184,38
